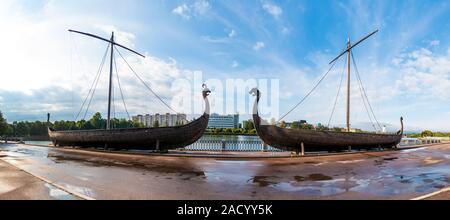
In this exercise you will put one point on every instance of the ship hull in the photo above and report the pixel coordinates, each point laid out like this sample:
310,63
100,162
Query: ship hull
292,139
312,140
164,138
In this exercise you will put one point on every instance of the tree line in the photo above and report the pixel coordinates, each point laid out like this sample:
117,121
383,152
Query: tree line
39,128
428,133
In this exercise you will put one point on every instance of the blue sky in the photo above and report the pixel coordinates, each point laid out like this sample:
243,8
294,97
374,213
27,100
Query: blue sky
405,67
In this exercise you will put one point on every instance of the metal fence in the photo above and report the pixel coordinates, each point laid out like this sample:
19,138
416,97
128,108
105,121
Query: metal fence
258,145
417,141
231,145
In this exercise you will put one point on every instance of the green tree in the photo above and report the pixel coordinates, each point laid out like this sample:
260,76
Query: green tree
306,126
237,131
97,121
3,125
321,127
22,129
427,133
248,125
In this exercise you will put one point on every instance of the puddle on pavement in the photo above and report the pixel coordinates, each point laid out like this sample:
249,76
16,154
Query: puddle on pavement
390,158
81,190
313,177
188,175
264,181
311,162
311,190
183,173
384,160
59,194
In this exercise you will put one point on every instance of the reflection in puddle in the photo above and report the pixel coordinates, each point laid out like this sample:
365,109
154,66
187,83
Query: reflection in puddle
264,181
412,150
58,193
349,161
81,190
313,177
323,190
382,161
390,158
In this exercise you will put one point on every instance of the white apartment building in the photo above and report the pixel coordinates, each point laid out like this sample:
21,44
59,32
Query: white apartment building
164,120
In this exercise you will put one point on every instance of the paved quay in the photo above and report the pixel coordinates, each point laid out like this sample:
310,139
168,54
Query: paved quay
16,184
405,174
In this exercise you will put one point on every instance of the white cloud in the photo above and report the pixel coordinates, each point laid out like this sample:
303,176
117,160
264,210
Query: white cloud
235,64
122,37
434,43
232,34
199,7
215,40
425,73
259,45
285,30
220,40
183,11
272,9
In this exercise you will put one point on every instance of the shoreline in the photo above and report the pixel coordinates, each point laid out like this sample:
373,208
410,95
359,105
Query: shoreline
231,154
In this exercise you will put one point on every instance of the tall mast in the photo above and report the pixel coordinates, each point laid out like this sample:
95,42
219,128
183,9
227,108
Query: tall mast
349,51
348,84
108,120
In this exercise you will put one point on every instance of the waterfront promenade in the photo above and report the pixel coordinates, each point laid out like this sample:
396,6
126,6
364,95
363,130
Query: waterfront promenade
33,172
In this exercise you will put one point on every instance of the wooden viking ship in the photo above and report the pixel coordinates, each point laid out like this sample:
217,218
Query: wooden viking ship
161,138
315,140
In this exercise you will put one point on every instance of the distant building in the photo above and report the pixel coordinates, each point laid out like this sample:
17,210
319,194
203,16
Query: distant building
300,122
223,121
138,118
164,120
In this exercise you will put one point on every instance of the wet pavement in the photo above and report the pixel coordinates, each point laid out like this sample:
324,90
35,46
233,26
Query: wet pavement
371,175
16,184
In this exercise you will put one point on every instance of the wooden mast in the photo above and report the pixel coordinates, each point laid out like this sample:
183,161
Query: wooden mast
348,51
108,120
348,85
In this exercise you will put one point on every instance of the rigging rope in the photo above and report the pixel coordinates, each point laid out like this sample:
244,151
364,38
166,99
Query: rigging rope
364,94
309,93
365,105
95,82
145,84
339,91
93,92
120,88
